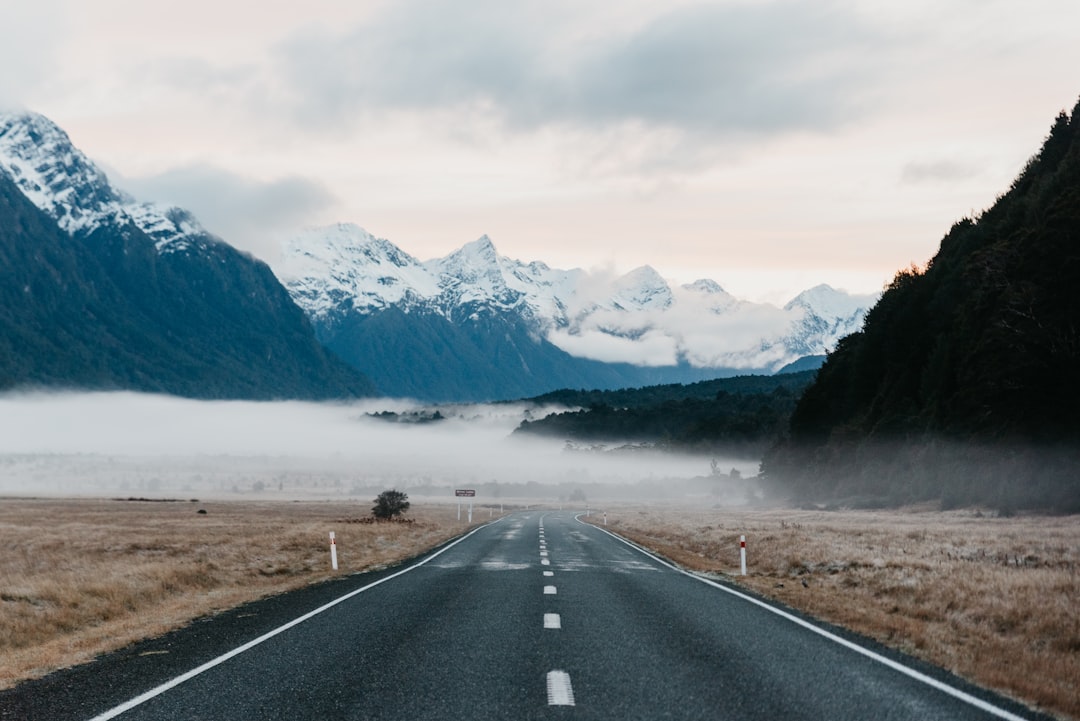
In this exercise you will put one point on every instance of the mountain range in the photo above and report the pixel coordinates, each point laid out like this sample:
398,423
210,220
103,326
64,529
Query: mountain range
476,325
101,292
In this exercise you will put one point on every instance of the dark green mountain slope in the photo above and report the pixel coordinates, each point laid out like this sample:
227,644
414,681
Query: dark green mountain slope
963,385
107,311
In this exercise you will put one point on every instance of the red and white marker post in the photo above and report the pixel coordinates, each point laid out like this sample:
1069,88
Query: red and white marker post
742,554
333,551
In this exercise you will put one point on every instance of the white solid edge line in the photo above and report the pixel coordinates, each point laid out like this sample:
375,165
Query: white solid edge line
895,665
559,690
157,691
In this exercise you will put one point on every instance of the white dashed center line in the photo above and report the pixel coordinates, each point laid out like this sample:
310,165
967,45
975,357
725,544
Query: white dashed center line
549,591
549,573
552,620
543,553
545,562
560,692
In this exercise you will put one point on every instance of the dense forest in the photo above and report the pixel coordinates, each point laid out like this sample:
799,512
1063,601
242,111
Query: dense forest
741,415
963,385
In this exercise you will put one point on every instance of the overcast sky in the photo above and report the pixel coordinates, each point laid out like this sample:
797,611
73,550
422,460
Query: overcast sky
766,145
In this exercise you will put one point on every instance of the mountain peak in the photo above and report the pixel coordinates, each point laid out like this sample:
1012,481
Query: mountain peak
642,287
53,174
704,285
824,300
481,251
60,180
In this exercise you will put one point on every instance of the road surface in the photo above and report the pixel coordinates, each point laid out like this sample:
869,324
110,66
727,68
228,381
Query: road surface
536,616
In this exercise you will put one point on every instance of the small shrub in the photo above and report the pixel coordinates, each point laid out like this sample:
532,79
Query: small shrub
390,504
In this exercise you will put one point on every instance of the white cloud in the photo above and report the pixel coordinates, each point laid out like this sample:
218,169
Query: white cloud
651,348
945,170
709,70
249,214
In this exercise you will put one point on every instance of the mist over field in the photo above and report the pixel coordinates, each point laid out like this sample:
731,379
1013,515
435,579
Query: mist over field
158,446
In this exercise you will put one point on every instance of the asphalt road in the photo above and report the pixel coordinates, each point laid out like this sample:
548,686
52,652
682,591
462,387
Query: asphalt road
537,616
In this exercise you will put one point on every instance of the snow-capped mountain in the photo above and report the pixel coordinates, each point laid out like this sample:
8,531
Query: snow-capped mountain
349,283
60,180
828,316
345,267
100,291
330,271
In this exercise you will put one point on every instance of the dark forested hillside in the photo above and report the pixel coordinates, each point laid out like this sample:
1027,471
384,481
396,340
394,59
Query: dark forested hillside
106,311
963,385
738,415
656,394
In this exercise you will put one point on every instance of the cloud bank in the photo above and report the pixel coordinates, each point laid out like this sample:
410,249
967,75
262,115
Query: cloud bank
706,70
108,443
702,326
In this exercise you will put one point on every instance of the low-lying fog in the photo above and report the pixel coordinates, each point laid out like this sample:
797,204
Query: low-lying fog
161,446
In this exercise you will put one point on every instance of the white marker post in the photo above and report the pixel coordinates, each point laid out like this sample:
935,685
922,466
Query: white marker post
605,518
742,554
333,551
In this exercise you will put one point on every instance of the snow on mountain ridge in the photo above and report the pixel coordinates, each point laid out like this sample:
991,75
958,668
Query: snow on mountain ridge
827,315
54,175
326,267
642,288
636,318
59,179
826,301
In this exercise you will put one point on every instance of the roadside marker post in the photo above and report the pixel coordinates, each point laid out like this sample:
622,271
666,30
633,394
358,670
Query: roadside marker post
742,554
333,551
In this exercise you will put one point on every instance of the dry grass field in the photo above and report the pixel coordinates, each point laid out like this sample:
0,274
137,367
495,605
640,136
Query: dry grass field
81,577
995,600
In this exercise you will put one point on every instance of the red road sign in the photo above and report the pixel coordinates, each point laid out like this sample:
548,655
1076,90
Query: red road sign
468,493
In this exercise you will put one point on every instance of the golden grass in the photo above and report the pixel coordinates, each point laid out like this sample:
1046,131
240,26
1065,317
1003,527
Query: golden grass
82,577
994,600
